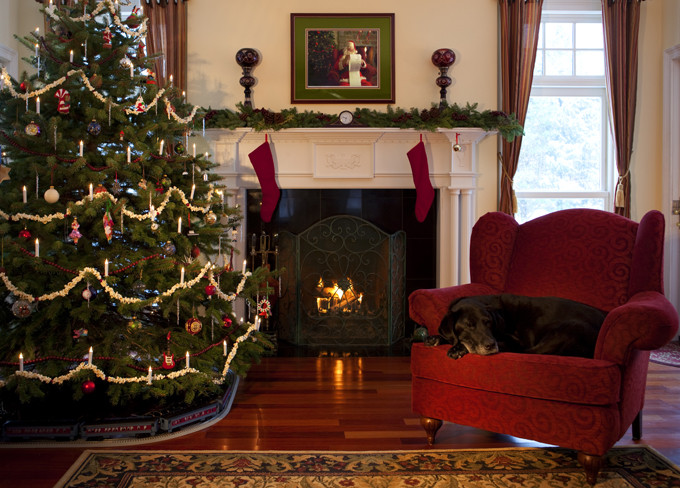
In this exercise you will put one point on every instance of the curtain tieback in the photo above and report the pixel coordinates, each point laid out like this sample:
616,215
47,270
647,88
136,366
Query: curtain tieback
620,200
512,188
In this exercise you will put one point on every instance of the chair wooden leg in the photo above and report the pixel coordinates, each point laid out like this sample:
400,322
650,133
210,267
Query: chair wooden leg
637,427
592,465
431,427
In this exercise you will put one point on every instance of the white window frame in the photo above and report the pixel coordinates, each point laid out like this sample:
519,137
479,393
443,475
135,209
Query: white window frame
573,85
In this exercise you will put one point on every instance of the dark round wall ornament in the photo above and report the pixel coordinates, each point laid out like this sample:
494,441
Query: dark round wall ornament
443,59
247,58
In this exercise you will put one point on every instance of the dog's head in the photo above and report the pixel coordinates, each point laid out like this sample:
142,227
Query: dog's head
472,323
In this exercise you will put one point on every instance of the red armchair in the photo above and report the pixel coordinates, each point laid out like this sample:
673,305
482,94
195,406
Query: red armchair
590,256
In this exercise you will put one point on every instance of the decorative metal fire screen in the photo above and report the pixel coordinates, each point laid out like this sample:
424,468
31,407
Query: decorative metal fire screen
344,284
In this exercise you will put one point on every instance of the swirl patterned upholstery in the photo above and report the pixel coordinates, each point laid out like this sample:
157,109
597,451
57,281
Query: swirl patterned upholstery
590,256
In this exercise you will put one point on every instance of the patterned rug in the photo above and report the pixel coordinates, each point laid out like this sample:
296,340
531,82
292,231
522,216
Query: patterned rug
638,466
668,355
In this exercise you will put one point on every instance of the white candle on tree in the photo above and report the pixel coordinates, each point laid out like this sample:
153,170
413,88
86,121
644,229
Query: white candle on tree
89,357
225,346
21,361
194,149
181,276
128,155
149,378
37,248
193,189
91,194
37,105
36,49
161,151
71,56
106,267
25,196
179,226
187,359
244,267
81,149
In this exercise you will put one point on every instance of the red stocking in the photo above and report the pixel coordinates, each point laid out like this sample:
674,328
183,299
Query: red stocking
262,161
421,177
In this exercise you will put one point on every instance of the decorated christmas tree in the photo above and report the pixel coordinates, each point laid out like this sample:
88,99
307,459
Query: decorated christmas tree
117,273
320,46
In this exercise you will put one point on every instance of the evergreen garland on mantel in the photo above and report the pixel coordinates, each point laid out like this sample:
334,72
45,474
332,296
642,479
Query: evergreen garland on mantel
448,117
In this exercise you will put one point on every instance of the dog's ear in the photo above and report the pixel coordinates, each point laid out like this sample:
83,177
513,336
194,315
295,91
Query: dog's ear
498,320
447,327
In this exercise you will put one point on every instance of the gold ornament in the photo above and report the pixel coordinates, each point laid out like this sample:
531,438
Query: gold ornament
211,218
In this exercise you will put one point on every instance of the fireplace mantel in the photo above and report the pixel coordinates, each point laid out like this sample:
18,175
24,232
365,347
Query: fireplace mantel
366,157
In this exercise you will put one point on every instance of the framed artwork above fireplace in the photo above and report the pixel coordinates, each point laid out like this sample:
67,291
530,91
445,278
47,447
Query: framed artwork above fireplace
342,58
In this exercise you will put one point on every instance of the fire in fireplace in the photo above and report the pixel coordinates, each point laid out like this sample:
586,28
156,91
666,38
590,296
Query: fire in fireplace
344,284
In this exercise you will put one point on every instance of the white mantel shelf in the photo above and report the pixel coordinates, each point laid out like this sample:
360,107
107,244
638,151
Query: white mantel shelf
366,157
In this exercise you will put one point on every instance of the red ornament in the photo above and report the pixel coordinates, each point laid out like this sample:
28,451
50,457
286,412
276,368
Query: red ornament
25,234
193,326
168,362
23,86
99,189
226,321
195,251
87,387
210,290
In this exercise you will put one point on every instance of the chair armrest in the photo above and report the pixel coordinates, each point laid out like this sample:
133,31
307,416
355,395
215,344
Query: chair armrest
428,306
646,322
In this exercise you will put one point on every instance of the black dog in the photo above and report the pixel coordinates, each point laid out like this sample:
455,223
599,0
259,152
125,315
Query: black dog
488,324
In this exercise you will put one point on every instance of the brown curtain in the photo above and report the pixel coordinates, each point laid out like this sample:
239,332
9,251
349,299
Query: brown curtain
168,34
621,21
520,24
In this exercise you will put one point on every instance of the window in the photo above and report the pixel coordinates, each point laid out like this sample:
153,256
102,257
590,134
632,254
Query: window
564,160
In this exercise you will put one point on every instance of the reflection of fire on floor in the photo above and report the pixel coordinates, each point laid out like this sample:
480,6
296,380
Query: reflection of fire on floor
340,297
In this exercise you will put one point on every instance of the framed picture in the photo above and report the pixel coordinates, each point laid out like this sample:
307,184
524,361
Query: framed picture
342,58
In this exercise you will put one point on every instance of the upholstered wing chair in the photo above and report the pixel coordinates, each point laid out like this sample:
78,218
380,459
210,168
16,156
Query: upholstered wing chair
594,257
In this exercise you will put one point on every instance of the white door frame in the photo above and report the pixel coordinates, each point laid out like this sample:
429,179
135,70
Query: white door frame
671,171
10,58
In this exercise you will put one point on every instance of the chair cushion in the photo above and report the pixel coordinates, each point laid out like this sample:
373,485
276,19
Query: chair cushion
565,379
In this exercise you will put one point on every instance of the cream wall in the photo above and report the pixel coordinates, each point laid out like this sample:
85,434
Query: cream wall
671,18
19,17
218,29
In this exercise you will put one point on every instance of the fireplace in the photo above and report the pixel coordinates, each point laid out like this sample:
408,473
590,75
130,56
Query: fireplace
344,284
302,156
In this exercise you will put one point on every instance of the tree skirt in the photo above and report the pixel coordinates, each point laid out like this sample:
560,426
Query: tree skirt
638,466
668,355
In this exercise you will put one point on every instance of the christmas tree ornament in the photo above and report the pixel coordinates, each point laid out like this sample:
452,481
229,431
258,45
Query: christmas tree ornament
168,359
21,309
134,324
210,218
116,188
263,162
140,107
193,326
64,104
210,290
135,18
205,176
51,195
139,286
25,234
264,308
106,36
420,334
169,248
179,148
226,321
151,78
195,251
93,128
166,182
159,188
87,387
108,223
4,173
122,134
75,235
89,293
96,81
142,184
78,333
100,189
23,86
32,129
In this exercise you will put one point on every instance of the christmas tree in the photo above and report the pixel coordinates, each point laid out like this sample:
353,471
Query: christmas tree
320,49
115,237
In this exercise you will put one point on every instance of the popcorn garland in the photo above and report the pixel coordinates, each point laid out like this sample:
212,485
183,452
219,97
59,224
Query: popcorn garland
46,219
137,379
50,10
117,296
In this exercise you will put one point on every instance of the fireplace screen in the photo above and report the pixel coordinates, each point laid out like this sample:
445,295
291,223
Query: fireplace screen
343,285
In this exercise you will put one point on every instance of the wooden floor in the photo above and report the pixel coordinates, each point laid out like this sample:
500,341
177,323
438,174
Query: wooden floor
340,404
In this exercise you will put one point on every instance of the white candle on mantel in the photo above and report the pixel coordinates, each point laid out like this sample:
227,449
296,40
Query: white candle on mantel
106,267
89,357
148,380
128,155
179,226
71,56
37,105
25,196
244,267
181,276
225,346
21,361
91,194
81,149
194,149
187,359
37,248
193,189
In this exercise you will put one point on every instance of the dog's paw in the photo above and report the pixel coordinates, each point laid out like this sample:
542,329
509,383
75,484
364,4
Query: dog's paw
457,352
432,341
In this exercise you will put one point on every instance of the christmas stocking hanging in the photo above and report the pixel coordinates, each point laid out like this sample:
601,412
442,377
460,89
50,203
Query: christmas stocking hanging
421,177
262,161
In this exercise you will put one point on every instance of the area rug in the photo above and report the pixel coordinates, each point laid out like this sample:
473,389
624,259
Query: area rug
624,467
668,355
